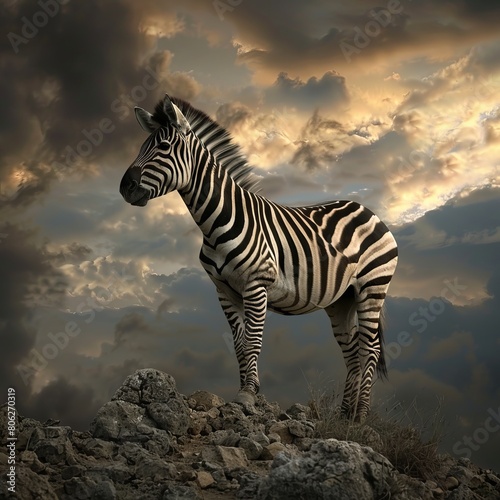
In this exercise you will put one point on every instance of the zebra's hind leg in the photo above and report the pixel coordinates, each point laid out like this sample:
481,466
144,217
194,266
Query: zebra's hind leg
370,341
342,314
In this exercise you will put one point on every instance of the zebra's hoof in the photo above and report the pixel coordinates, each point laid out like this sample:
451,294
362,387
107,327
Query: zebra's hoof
245,398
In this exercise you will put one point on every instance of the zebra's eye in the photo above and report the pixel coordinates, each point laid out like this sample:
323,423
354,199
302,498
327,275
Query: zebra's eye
164,146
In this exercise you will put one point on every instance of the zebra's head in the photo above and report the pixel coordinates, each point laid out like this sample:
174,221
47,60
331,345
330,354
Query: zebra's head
163,163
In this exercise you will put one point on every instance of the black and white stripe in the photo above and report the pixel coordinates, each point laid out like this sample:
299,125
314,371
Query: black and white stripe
335,256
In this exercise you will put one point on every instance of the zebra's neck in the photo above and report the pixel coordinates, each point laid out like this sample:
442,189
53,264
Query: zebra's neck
211,193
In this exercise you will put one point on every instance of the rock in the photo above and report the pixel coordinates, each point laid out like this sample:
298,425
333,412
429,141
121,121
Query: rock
229,457
198,425
370,437
437,492
104,491
175,491
451,483
72,471
52,445
204,479
249,485
90,446
206,400
28,485
252,449
150,439
270,451
299,412
225,438
30,458
147,399
269,410
232,458
232,417
81,488
462,493
210,454
172,416
147,386
492,479
115,472
281,429
274,438
300,429
415,489
331,470
151,467
462,473
119,421
304,444
259,437
160,443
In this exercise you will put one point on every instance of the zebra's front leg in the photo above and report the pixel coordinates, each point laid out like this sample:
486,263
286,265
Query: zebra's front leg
236,319
255,307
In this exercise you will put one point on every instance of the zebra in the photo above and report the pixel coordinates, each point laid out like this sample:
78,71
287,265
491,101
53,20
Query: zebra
337,256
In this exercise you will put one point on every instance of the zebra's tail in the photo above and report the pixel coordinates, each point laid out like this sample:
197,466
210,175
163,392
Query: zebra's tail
381,365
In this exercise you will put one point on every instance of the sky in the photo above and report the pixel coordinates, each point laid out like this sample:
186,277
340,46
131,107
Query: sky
394,104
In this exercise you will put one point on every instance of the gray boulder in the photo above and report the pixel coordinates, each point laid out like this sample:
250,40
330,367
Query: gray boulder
120,421
52,445
331,470
146,402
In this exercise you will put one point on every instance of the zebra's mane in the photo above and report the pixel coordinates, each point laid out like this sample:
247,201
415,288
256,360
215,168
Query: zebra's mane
216,139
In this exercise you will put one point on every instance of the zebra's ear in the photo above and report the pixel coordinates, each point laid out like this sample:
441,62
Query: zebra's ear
175,115
145,119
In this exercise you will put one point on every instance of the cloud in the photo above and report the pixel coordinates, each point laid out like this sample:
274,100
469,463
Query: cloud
72,403
434,248
56,98
28,278
299,41
329,92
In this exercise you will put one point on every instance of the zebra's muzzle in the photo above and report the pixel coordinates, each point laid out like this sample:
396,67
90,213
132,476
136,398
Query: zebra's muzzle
141,202
130,189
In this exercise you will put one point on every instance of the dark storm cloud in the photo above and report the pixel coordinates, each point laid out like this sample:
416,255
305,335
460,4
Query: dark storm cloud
28,277
310,38
72,404
67,88
131,324
464,230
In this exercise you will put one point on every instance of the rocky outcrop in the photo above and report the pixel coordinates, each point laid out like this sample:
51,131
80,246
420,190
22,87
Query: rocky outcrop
151,442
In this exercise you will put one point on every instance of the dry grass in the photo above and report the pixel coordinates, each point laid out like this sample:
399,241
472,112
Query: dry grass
405,437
